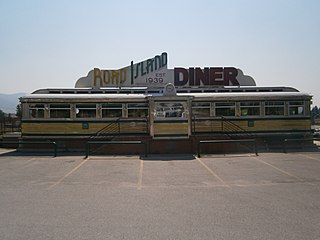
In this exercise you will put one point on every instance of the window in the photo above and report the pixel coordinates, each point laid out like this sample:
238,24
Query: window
111,110
225,109
274,108
137,110
201,109
250,108
86,110
36,110
170,110
296,108
59,110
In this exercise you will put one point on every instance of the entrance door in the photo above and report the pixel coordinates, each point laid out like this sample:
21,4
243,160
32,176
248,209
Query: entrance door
171,119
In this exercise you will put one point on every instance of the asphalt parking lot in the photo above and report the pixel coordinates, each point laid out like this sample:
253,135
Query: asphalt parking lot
239,196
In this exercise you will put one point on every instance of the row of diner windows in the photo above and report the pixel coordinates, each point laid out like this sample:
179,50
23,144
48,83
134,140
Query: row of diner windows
88,110
141,110
249,108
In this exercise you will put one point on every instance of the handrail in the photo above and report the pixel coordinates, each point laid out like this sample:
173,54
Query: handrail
285,141
234,127
193,123
228,141
227,126
108,129
18,143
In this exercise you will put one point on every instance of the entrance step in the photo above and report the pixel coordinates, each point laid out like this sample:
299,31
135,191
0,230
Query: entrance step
171,146
182,137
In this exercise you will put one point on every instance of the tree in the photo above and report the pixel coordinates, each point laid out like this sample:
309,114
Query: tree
315,114
1,114
19,111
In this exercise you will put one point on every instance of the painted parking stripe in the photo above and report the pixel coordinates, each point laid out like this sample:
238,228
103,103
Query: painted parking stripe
213,173
68,174
282,171
307,156
140,175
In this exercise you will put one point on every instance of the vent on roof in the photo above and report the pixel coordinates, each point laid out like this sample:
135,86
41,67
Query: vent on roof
54,91
182,91
139,92
209,91
82,92
195,91
125,91
250,90
67,92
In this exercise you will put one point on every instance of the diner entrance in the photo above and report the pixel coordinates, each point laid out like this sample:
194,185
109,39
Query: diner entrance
169,118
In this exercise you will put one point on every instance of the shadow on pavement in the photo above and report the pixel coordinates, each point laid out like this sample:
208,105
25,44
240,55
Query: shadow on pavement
168,157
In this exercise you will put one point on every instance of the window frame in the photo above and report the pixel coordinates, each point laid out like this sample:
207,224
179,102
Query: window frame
166,109
196,106
104,106
248,105
293,104
59,108
36,108
228,105
143,108
85,108
275,106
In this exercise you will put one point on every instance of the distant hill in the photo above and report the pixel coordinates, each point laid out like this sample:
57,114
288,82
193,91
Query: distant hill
9,102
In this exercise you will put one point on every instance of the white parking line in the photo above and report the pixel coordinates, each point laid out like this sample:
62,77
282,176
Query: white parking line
307,156
213,173
282,171
140,175
69,173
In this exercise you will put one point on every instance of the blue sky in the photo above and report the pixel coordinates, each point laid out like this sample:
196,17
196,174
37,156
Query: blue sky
47,44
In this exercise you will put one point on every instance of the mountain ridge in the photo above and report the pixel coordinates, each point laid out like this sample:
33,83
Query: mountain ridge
9,101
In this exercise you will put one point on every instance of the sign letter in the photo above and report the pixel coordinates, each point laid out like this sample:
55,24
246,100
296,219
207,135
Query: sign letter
183,73
230,74
97,76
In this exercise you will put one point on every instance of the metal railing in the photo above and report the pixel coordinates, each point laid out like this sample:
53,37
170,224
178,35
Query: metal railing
110,130
54,144
115,143
227,141
228,127
301,140
8,125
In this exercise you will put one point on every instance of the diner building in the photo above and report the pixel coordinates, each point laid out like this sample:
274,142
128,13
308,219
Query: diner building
170,110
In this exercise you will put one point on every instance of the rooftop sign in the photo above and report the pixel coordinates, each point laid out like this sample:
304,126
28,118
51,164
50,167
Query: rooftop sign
154,72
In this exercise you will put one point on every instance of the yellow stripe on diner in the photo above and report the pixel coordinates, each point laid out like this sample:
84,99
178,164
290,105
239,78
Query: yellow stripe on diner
170,128
257,126
78,127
